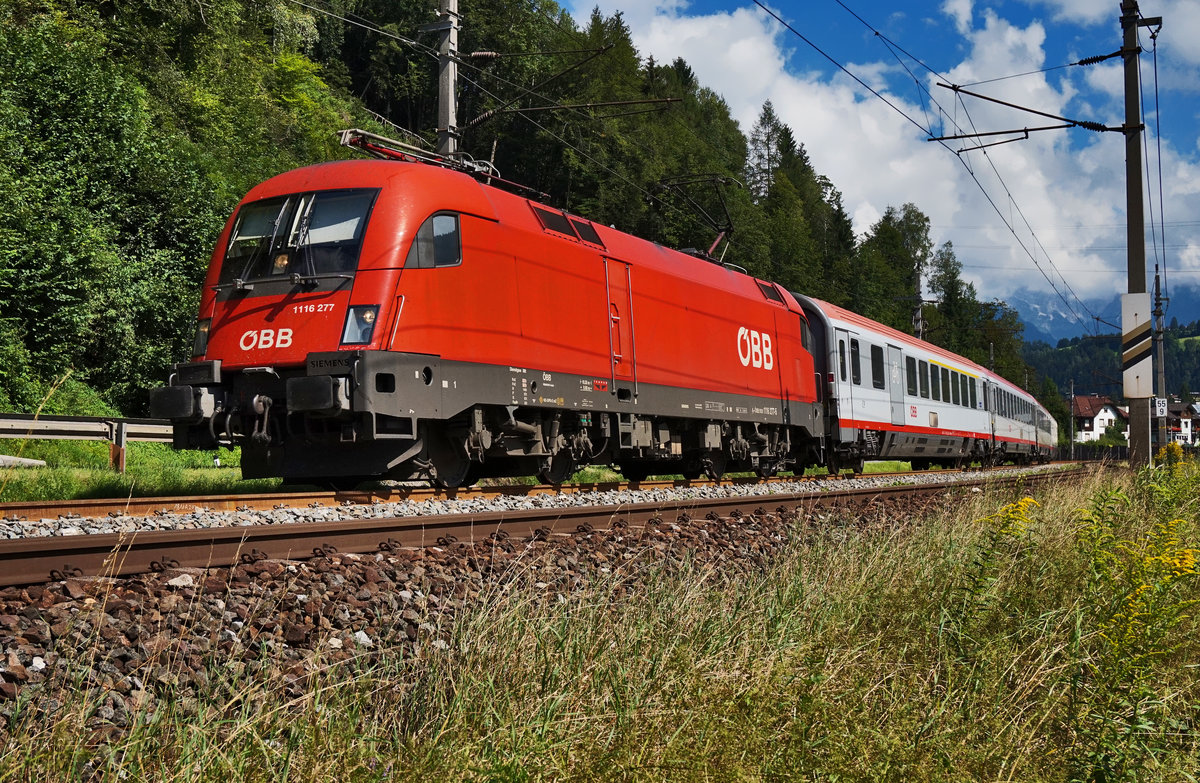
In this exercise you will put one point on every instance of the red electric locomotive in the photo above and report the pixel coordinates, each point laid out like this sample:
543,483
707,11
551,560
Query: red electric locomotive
382,318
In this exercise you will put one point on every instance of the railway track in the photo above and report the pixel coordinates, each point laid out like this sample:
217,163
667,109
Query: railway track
54,558
149,506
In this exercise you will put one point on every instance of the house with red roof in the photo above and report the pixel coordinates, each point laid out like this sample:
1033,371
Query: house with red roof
1094,414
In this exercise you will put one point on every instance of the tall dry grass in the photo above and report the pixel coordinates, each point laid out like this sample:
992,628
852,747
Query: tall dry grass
995,639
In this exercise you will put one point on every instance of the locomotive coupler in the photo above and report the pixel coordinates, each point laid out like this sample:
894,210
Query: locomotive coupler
261,404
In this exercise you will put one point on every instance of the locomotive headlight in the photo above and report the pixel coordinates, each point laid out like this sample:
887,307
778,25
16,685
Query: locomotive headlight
200,341
360,324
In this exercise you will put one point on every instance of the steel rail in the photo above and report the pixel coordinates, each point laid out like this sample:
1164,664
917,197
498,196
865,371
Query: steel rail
54,558
186,504
265,501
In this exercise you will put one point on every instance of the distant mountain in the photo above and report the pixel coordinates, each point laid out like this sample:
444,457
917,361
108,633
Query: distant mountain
1047,318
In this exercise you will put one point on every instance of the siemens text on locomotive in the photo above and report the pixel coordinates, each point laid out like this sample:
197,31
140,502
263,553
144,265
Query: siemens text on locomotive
396,319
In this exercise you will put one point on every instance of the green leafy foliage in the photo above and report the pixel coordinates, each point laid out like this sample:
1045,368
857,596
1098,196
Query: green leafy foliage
128,131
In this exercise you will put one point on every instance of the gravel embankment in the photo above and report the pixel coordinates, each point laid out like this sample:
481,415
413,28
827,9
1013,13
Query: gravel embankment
126,645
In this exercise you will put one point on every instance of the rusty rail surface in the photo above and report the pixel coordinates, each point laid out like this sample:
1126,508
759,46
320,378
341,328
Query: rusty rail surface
186,504
150,506
53,558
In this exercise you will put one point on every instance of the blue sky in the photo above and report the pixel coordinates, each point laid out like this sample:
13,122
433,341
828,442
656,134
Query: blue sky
1059,197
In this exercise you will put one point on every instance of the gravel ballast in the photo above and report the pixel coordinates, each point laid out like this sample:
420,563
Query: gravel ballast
124,646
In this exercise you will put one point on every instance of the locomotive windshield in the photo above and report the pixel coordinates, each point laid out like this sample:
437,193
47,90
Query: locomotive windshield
303,236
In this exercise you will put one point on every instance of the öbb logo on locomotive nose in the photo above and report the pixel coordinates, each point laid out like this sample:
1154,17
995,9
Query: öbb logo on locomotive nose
265,338
754,349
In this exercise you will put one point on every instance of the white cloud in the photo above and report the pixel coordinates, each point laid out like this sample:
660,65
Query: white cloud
960,12
1068,185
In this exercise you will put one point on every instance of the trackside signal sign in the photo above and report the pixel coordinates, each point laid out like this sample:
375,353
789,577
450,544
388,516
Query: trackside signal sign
1136,346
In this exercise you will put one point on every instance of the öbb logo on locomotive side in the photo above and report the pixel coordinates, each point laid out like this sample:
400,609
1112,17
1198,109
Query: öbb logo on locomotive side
265,338
754,349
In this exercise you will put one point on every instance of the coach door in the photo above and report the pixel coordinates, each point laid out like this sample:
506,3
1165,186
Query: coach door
896,383
844,372
618,283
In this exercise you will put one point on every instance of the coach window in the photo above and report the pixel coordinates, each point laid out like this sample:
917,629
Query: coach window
924,378
946,390
842,358
934,379
966,389
974,398
954,393
437,243
910,371
877,376
855,368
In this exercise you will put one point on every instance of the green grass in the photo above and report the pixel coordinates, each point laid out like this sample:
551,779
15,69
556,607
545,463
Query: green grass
984,642
80,469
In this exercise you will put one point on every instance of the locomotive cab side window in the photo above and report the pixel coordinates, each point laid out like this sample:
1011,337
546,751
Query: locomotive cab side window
438,243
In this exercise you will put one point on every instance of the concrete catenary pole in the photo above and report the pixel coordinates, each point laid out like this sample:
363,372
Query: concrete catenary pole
1136,346
448,78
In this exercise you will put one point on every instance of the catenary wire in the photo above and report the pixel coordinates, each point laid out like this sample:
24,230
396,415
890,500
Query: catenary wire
366,25
892,47
973,175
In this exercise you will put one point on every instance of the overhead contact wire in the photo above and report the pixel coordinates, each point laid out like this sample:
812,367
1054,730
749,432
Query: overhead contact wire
890,44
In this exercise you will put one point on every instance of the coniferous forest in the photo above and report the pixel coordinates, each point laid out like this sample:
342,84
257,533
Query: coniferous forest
129,130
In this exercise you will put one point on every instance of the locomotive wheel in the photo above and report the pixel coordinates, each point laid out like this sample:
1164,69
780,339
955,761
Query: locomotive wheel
450,465
452,476
560,468
635,471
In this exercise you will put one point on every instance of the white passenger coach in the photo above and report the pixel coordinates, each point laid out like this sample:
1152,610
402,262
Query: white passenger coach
889,395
